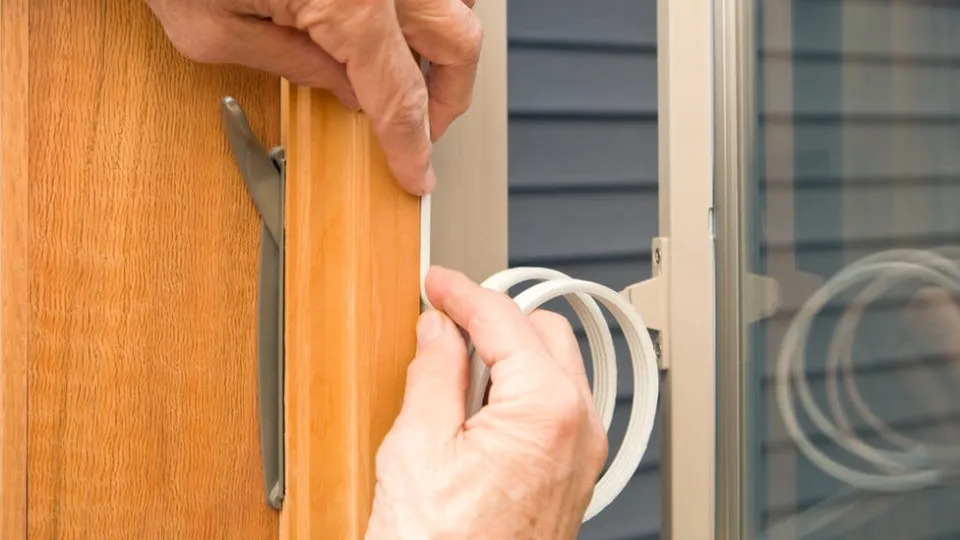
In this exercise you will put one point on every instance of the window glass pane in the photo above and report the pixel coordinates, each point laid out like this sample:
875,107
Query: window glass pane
857,147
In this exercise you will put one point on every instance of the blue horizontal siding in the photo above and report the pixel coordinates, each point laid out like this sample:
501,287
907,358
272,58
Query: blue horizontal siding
553,154
582,82
583,171
584,24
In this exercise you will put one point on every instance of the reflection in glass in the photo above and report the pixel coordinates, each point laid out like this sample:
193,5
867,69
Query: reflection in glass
852,388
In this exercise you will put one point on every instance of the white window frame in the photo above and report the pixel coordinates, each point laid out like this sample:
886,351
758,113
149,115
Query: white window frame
469,233
685,58
469,205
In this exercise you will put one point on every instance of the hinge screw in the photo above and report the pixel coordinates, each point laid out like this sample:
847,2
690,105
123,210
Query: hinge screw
656,255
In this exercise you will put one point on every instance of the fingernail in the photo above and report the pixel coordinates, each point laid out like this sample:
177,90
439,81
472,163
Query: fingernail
430,180
429,328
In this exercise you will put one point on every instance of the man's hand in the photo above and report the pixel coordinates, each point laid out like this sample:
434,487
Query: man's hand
359,50
525,465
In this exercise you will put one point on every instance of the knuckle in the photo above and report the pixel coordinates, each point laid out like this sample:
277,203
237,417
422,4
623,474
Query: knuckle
309,13
599,449
382,460
567,406
490,312
404,117
552,322
931,296
462,39
419,368
413,369
319,71
206,43
195,31
464,47
386,453
420,162
472,43
407,111
502,301
462,105
400,124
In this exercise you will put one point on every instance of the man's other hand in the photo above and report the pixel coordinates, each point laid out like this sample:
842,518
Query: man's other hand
526,464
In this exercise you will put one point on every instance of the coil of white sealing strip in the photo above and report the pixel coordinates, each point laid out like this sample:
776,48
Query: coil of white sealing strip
917,464
583,296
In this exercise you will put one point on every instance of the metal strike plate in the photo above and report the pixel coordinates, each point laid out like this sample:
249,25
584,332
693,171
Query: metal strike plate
649,297
264,175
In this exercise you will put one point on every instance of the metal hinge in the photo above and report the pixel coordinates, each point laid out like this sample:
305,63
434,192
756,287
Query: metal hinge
650,298
264,175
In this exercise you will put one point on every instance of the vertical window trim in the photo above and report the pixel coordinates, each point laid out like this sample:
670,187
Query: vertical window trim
735,107
469,205
686,161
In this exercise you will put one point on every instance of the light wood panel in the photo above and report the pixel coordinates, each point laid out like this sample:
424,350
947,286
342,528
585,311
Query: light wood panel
469,204
14,301
128,234
352,300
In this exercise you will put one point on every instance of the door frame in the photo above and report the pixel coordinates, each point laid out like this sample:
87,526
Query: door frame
685,58
735,137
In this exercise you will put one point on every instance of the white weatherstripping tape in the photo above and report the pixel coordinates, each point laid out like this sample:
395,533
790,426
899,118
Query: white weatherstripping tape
917,464
583,296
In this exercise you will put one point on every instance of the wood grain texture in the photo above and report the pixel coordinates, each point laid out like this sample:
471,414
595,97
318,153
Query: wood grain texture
142,255
14,299
352,301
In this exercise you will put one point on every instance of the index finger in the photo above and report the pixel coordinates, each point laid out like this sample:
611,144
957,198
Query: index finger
497,326
386,78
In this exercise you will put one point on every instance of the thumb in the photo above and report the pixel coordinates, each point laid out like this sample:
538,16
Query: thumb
437,378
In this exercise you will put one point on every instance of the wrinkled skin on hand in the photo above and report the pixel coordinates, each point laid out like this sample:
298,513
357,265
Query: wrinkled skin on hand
360,50
525,465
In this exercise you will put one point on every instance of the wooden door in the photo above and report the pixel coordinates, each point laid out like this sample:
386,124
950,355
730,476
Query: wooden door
128,275
128,397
